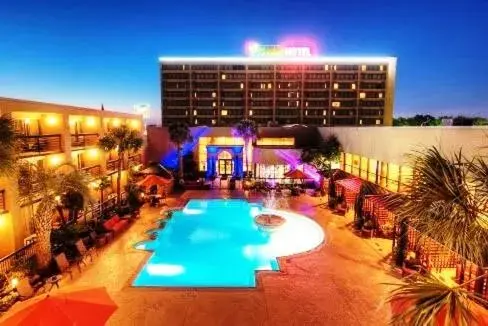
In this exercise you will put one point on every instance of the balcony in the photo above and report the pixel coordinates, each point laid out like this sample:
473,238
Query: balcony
112,166
135,159
40,145
95,170
84,140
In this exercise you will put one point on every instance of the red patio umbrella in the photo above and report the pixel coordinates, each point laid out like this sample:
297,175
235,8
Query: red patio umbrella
296,174
81,307
152,180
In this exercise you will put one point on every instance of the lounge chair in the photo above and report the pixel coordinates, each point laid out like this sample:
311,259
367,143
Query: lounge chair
83,251
64,265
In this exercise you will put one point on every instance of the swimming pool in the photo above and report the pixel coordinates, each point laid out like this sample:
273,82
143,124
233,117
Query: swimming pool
216,243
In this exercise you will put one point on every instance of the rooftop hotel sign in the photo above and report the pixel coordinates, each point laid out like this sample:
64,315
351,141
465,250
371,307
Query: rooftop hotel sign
258,50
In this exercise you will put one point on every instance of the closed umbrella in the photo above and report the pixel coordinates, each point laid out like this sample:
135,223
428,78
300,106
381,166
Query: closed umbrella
80,307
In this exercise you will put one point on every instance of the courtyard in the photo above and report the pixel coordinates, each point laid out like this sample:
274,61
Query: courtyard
338,283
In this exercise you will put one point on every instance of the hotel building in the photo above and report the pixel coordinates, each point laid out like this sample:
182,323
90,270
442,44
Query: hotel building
273,91
52,134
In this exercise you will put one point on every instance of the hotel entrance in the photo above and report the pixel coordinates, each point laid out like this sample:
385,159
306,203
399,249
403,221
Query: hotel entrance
226,166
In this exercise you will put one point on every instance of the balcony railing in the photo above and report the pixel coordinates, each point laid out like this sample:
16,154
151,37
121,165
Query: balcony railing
135,159
112,165
38,145
84,140
17,258
94,171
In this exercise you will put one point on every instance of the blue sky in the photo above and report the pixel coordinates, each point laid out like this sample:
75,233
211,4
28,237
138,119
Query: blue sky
92,52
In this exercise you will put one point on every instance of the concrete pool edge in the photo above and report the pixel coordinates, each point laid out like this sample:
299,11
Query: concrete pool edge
282,261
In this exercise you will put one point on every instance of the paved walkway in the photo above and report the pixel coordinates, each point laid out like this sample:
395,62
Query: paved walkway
336,284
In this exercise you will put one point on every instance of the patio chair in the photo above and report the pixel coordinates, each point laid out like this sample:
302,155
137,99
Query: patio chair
97,240
64,265
83,251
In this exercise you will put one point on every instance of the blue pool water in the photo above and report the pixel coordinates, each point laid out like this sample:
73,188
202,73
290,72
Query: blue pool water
216,243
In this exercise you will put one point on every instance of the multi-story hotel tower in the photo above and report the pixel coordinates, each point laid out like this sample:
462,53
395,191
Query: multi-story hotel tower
277,86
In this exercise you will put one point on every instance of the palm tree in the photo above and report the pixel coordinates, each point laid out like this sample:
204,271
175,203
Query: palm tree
447,200
179,133
426,300
51,185
123,140
8,142
248,130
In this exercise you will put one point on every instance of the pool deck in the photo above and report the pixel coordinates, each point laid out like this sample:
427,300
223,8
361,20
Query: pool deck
339,283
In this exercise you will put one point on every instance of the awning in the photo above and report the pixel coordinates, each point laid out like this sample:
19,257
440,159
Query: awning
275,156
350,184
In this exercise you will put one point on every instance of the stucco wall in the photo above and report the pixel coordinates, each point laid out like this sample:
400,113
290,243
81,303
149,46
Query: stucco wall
390,144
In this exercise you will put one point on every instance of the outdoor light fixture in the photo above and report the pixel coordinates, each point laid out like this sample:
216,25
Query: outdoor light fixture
14,282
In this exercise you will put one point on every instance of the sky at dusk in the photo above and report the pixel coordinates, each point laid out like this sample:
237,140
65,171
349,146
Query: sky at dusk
91,52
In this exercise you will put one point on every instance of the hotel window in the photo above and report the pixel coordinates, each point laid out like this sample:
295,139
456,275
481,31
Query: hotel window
353,86
196,121
356,161
194,112
324,122
242,85
380,95
406,174
362,95
336,104
214,104
348,163
223,112
378,122
324,112
213,121
306,112
372,170
363,168
306,104
360,122
326,67
214,94
250,112
381,68
363,68
223,76
336,85
270,86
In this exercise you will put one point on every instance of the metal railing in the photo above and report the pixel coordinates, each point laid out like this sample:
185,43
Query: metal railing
94,170
113,165
36,145
84,140
19,256
135,159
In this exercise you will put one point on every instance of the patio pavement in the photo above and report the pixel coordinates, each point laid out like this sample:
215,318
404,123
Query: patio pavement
339,283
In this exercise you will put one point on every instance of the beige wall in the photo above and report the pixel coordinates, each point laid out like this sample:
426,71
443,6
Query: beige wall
54,119
390,144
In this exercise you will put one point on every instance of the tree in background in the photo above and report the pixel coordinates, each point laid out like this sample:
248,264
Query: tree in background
123,140
248,130
8,142
322,157
52,184
179,133
417,120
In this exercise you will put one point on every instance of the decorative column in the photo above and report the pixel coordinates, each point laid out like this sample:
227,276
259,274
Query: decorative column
211,161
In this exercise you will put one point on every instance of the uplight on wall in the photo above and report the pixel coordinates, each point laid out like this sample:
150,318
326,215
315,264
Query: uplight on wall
55,160
52,120
90,121
27,121
93,153
116,122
